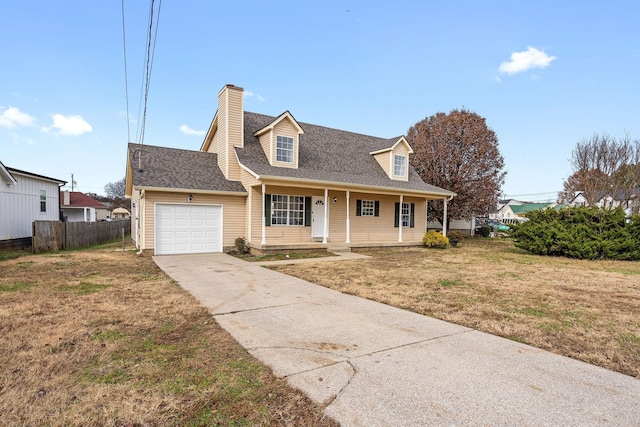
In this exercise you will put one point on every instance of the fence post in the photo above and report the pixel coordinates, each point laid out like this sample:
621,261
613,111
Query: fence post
122,239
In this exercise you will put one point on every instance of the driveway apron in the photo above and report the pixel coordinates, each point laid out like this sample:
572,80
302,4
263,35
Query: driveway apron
375,365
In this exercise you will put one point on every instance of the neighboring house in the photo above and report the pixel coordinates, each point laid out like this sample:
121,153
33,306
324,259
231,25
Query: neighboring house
78,207
120,213
520,211
279,184
24,198
629,200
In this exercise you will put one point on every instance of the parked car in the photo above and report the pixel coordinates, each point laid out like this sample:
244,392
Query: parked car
499,226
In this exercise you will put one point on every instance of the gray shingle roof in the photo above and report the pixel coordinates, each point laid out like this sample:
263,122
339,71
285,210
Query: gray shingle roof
163,167
328,155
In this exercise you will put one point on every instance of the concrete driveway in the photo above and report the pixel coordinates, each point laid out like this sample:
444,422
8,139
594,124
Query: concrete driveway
376,365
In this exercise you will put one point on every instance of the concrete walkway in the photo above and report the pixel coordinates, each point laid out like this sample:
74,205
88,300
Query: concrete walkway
376,365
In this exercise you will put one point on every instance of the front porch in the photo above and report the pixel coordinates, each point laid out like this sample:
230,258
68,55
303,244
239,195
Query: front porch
329,247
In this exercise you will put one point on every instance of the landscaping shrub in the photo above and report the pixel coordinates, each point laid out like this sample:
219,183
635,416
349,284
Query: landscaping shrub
434,239
241,246
582,233
484,231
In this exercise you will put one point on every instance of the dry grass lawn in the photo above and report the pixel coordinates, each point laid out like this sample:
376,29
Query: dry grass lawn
100,337
588,310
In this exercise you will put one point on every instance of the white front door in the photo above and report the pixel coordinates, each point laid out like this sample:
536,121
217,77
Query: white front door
317,217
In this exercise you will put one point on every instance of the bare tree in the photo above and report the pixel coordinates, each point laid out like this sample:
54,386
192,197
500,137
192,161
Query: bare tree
457,151
606,169
116,190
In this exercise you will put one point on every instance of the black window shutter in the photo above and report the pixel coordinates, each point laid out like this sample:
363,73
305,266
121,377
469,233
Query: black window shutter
358,207
307,211
396,217
267,210
412,221
377,208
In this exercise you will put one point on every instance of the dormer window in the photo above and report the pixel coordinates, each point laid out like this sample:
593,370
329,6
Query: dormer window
399,165
284,149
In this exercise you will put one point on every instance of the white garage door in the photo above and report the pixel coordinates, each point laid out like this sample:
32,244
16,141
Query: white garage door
188,229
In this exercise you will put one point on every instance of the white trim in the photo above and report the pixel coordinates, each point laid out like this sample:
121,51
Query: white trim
393,166
348,221
155,220
444,219
326,215
400,219
339,186
264,215
277,120
186,190
401,139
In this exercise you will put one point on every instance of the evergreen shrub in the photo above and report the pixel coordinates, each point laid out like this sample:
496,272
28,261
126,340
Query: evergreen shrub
580,232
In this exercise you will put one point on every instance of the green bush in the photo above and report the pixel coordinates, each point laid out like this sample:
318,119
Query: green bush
582,233
484,230
434,239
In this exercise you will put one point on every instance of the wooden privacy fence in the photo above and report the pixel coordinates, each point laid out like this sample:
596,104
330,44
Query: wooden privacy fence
55,235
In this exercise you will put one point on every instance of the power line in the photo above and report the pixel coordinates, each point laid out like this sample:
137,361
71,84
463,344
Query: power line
126,79
150,54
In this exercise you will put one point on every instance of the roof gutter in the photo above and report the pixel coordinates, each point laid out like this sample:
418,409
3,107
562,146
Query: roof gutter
190,190
370,188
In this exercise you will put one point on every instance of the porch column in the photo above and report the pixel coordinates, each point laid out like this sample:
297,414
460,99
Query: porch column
348,224
326,208
264,236
444,219
426,214
400,220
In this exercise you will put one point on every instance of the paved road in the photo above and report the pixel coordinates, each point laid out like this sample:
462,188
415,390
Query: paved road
376,365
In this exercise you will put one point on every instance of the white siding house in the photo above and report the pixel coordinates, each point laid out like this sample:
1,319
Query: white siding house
24,198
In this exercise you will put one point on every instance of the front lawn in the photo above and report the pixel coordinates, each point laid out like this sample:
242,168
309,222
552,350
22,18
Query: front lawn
101,337
588,310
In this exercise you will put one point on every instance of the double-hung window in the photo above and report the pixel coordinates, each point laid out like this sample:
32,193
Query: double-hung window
43,200
399,165
368,208
284,149
406,214
287,210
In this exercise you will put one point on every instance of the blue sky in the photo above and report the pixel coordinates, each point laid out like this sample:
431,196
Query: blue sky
544,74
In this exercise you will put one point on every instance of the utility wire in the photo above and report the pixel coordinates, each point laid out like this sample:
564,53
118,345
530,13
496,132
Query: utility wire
126,79
149,63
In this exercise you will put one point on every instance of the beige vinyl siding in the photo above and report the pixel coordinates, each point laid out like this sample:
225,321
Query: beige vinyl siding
233,221
338,216
221,134
384,159
381,229
135,201
253,202
285,128
235,129
213,147
265,143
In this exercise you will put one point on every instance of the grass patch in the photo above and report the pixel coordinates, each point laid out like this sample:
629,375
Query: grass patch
134,350
588,310
284,256
84,288
15,286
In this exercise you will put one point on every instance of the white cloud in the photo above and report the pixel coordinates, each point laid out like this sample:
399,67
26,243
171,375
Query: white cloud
188,131
526,60
249,94
12,117
69,125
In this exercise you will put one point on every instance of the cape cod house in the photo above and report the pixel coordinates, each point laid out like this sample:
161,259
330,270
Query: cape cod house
279,184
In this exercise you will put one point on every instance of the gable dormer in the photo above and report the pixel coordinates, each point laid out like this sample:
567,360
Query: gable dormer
395,159
280,141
